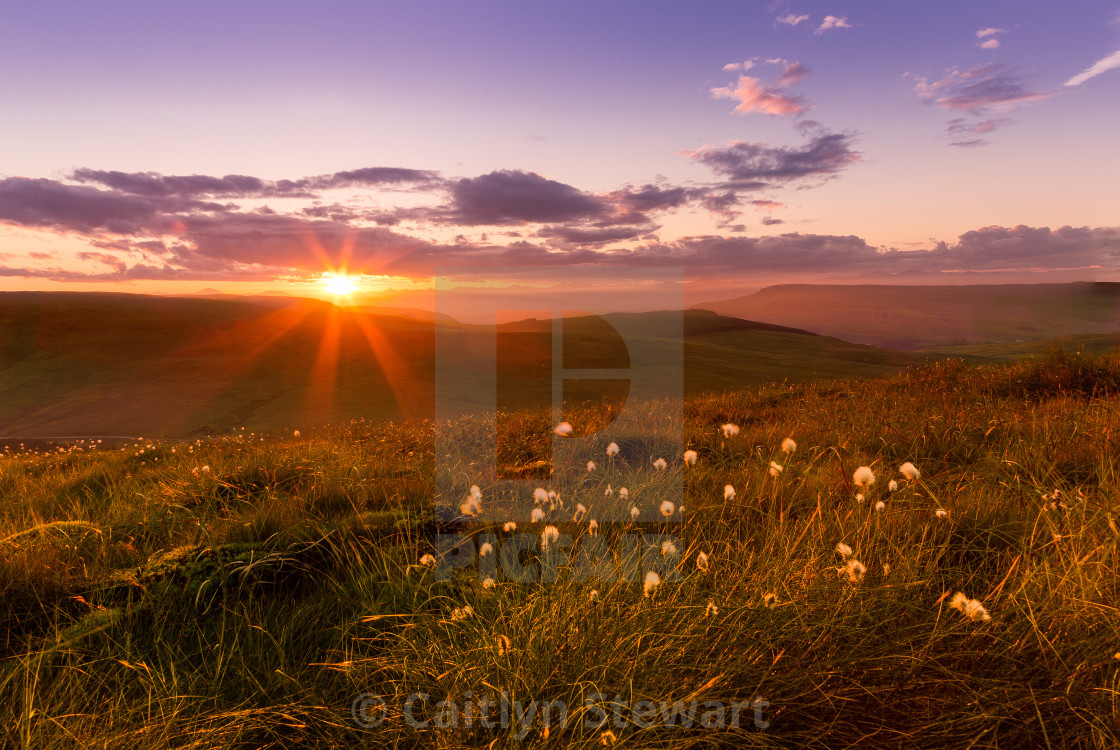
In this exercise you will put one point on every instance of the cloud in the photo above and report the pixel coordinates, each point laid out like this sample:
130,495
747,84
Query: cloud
732,67
989,44
511,197
832,22
992,86
748,164
765,205
961,125
754,96
1094,70
791,19
793,73
990,31
772,220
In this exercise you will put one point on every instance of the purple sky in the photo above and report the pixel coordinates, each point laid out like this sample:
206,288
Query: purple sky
252,147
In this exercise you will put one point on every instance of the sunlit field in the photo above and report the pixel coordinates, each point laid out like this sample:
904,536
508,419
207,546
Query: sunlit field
926,560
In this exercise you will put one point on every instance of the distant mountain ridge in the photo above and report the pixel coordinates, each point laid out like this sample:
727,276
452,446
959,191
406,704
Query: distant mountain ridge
915,317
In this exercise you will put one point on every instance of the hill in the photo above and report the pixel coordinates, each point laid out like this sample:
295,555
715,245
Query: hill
916,317
100,364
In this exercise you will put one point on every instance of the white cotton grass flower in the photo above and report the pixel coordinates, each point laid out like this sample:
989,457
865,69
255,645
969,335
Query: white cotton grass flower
728,492
634,512
788,445
909,471
476,492
581,511
776,468
667,508
690,458
295,434
941,513
591,466
859,497
730,430
880,505
462,613
702,561
661,464
472,506
608,492
886,569
971,608
613,449
863,477
537,516
489,584
485,549
623,493
711,609
428,560
540,496
509,526
651,583
668,548
770,600
563,429
549,535
593,527
892,485
844,550
593,595
855,570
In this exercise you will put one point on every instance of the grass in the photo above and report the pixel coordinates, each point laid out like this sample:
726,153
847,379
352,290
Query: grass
251,604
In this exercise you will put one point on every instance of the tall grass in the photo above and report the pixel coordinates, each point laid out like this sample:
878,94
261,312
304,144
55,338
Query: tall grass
252,604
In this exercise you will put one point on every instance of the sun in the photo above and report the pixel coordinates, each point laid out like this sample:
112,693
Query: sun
339,284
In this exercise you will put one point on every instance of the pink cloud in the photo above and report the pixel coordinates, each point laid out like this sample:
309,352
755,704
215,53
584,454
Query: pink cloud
833,22
754,96
791,19
990,44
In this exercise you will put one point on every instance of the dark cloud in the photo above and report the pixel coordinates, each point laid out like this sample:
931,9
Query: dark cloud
771,221
651,198
748,166
793,73
512,197
53,204
979,92
378,176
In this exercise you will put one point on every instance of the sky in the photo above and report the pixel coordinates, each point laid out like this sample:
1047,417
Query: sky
255,147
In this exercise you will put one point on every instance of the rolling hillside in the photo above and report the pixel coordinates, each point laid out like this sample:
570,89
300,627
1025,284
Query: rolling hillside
916,317
99,364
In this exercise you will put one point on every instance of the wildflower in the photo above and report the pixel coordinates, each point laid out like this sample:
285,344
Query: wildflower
612,449
660,464
651,583
668,548
609,491
623,493
863,476
880,505
489,583
681,510
788,445
509,526
295,434
485,549
476,492
428,560
775,468
593,527
702,561
471,506
540,496
958,601
712,609
941,513
886,569
770,600
593,595
580,513
549,535
892,485
909,471
462,613
607,739
855,570
591,466
728,492
504,644
859,497
667,508
563,429
537,516
730,430
690,458
634,512
844,550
